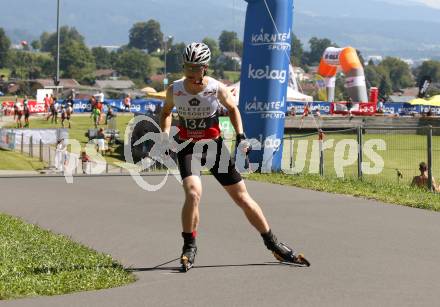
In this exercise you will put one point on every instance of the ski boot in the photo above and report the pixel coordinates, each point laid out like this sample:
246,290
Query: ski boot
189,251
282,252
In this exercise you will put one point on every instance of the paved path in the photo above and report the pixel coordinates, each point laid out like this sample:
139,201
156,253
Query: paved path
363,253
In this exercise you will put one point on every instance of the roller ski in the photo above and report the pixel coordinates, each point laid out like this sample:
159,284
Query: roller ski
189,252
282,252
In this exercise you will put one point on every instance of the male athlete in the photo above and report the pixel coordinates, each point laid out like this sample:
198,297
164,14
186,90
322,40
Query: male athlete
197,98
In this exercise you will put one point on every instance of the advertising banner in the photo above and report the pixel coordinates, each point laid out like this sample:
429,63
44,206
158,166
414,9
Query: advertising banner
264,78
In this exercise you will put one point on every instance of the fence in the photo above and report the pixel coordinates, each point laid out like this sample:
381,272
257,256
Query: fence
382,154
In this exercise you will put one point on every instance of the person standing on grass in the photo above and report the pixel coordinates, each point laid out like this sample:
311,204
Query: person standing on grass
422,181
46,103
95,115
100,138
19,111
26,111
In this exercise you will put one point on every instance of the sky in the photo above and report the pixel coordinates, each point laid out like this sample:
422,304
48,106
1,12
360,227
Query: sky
433,3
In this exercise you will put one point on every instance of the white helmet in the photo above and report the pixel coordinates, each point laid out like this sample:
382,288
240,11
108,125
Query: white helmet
197,53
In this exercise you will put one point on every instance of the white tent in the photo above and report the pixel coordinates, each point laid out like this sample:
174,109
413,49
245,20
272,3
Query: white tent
292,94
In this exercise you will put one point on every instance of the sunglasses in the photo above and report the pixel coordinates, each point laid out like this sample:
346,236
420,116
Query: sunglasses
193,68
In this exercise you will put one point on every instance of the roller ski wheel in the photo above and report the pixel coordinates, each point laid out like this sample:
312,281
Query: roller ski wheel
186,265
286,255
187,258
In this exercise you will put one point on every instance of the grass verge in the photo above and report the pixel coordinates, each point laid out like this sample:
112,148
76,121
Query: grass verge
35,262
80,124
386,192
10,160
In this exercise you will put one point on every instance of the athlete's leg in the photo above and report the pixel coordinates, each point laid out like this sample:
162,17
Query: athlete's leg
252,210
192,185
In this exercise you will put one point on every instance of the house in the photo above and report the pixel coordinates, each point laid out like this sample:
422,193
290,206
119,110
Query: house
114,84
104,74
66,83
229,55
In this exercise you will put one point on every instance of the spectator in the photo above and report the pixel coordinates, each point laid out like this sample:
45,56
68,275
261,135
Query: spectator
46,103
127,103
293,111
380,106
18,107
349,105
53,110
422,181
110,114
15,107
92,102
65,116
100,137
99,106
68,101
26,111
100,97
60,153
96,113
85,162
429,113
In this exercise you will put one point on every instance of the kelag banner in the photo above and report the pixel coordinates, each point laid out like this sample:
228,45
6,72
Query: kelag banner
264,77
408,109
322,106
138,105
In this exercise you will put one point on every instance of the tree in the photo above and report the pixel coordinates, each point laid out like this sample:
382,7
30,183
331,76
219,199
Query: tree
429,68
146,35
102,57
77,60
378,76
228,41
213,46
133,63
67,34
385,84
297,52
399,73
175,59
5,44
36,44
44,37
371,75
317,48
28,65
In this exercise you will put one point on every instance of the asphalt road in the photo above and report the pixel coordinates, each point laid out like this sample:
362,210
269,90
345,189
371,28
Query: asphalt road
363,253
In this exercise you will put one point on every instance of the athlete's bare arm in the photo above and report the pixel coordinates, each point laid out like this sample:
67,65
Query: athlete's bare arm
166,114
226,99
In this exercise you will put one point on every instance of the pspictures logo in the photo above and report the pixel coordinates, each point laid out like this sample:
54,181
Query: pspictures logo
194,102
267,73
277,41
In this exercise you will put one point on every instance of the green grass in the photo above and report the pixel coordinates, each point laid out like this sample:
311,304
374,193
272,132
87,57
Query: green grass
6,72
10,160
233,76
385,192
80,125
35,262
156,64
